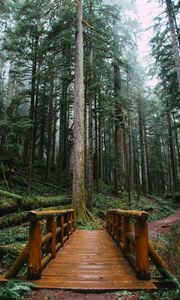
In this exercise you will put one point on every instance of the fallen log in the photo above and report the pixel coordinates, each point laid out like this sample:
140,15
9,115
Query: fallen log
161,265
17,265
17,219
40,182
11,195
31,204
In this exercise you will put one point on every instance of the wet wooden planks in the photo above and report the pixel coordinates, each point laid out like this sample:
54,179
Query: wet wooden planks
90,260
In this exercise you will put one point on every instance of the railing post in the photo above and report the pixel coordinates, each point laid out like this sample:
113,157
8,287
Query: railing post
51,227
141,245
35,244
67,228
127,229
107,221
62,230
71,217
74,219
120,239
113,224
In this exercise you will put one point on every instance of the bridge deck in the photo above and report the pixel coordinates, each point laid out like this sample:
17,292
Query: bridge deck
90,260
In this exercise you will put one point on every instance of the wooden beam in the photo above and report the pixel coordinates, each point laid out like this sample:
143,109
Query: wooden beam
35,244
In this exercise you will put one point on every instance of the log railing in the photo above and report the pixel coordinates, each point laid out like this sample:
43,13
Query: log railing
131,237
59,225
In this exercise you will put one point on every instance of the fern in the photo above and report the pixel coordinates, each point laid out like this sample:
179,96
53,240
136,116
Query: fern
15,289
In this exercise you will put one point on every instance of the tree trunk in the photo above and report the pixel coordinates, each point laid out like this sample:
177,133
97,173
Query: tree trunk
54,135
100,122
96,154
90,126
172,153
63,135
119,134
35,114
131,158
177,143
78,158
31,133
174,39
50,119
144,170
43,119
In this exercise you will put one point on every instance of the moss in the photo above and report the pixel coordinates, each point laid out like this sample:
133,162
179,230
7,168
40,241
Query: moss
79,199
15,205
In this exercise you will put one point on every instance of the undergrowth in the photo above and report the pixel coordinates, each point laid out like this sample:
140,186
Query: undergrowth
15,290
157,207
169,247
164,294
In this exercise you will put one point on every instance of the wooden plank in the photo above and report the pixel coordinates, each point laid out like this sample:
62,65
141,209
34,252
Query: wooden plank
97,286
90,260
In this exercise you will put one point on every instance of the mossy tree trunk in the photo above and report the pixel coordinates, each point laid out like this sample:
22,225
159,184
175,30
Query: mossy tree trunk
78,158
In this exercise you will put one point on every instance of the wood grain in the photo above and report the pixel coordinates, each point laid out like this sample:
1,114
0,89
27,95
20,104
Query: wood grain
90,260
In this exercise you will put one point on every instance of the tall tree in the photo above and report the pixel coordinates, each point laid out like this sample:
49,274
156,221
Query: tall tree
78,156
175,45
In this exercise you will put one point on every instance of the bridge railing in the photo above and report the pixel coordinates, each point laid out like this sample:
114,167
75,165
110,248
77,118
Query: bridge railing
48,231
129,229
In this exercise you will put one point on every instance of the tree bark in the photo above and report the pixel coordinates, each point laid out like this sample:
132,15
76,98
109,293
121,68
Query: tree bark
50,119
78,158
172,153
90,125
43,121
174,39
119,133
144,169
31,133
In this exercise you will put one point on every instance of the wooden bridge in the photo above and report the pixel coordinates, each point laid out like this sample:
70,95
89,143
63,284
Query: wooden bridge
89,260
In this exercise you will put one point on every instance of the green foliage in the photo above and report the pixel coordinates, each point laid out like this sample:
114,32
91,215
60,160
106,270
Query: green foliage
11,202
164,294
15,289
157,207
169,247
161,44
87,225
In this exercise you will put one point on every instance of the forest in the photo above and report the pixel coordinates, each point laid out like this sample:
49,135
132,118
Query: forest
85,124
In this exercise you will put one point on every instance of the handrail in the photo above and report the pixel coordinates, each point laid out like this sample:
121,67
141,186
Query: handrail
133,241
59,226
42,214
137,214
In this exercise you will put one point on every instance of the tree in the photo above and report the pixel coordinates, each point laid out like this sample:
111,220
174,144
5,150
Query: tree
174,38
78,156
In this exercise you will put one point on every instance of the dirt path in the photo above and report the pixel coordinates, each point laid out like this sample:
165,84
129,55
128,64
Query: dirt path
163,226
